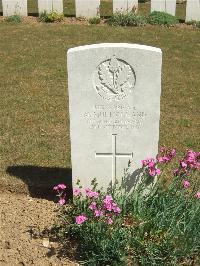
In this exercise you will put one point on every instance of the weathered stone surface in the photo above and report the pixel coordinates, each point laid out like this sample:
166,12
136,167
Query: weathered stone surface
14,7
193,10
125,5
168,6
87,8
50,5
114,103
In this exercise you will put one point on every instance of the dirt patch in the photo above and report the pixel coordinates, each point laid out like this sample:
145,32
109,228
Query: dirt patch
20,215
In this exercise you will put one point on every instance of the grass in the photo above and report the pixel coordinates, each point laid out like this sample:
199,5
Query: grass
105,8
34,119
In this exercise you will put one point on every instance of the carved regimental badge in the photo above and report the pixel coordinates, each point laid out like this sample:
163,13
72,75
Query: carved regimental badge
114,79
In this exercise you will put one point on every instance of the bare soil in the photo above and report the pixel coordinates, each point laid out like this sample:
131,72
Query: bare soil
20,217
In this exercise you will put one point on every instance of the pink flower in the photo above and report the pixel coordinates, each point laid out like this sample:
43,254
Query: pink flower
62,186
107,199
160,159
91,194
162,149
81,219
95,194
154,171
109,221
173,152
55,188
151,164
108,206
59,187
76,192
186,183
116,209
183,164
98,213
93,206
197,195
61,201
147,161
167,155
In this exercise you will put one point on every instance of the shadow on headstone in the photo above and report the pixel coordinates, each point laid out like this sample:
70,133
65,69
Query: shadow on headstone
33,14
41,180
131,180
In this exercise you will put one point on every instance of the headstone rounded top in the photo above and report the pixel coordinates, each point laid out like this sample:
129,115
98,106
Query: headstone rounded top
115,45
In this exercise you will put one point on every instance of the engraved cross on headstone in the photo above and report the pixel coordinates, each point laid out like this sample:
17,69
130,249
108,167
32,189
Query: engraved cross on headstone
114,155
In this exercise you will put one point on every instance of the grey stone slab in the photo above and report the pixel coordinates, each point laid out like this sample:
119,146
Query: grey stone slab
87,8
125,5
168,6
14,7
50,5
114,104
193,10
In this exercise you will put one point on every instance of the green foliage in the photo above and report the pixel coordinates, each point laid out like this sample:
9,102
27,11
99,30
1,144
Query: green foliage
51,17
162,18
94,20
194,23
14,18
127,19
160,226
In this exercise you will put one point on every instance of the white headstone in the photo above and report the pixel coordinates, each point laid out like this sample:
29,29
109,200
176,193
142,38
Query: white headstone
114,104
168,6
193,10
14,7
50,5
87,8
125,5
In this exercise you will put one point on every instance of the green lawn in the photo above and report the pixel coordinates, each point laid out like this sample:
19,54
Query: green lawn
34,121
105,8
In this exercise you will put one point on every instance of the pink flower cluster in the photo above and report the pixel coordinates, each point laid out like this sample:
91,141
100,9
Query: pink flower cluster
186,185
60,189
151,166
81,219
166,155
191,161
106,210
91,194
77,192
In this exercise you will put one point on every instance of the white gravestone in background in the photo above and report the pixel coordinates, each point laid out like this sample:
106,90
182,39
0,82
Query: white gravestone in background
87,8
125,5
168,6
193,10
14,7
50,5
114,104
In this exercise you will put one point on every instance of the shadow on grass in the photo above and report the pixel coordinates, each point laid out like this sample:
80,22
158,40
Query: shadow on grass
41,180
